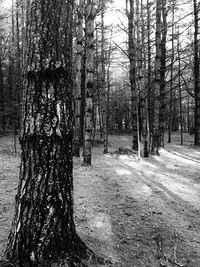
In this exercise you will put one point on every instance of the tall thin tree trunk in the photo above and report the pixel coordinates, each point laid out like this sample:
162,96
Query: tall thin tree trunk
2,99
79,51
179,87
103,85
108,100
132,72
171,77
25,7
82,114
89,82
196,76
18,69
108,84
144,89
162,98
149,91
188,113
156,91
141,127
98,89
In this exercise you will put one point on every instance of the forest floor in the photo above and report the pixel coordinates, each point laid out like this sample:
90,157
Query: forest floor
125,209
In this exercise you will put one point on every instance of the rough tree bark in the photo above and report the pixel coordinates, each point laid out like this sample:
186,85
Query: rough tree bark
156,91
43,230
18,69
144,88
139,77
103,84
196,75
79,52
149,89
162,99
179,85
2,98
171,76
132,71
89,81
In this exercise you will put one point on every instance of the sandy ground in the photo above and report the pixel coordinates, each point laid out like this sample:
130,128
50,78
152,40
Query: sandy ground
124,206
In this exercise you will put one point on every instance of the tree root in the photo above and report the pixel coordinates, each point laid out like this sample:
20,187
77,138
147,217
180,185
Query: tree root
78,255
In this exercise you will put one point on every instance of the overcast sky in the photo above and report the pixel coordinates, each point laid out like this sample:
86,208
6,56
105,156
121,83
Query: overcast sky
7,3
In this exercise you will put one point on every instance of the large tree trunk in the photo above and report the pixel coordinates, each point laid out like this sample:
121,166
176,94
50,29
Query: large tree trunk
43,229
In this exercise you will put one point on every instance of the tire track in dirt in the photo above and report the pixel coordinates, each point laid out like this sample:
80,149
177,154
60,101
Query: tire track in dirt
185,156
176,213
128,238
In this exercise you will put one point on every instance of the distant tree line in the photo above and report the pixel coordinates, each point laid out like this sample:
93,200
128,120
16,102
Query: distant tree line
157,93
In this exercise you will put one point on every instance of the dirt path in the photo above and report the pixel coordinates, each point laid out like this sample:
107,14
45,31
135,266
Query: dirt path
122,204
126,202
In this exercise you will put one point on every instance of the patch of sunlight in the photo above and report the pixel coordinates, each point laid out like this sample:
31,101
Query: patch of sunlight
186,193
101,223
126,157
137,191
145,190
197,186
107,156
187,157
101,229
137,165
123,172
149,165
196,152
177,156
124,138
